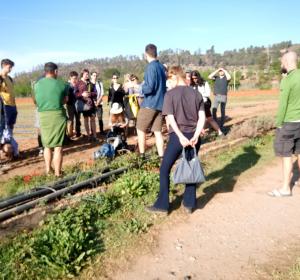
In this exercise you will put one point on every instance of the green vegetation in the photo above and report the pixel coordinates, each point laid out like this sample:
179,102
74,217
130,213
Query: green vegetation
102,224
262,59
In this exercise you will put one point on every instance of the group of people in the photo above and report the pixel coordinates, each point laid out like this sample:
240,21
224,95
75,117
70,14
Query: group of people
180,97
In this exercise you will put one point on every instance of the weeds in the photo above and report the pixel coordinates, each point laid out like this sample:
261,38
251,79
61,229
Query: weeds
252,128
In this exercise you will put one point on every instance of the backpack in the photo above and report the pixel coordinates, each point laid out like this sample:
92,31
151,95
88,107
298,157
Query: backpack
2,80
106,150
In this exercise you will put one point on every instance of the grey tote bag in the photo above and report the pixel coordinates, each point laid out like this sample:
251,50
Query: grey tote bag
188,171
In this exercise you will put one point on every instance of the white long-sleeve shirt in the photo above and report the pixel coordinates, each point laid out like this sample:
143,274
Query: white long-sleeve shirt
204,90
100,90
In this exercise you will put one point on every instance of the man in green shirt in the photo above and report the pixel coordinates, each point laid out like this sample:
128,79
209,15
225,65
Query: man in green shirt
287,138
50,95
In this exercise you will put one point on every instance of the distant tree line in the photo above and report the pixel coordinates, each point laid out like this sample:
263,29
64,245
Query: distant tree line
262,61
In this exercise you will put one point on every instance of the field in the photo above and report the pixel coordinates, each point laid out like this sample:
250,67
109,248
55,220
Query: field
130,242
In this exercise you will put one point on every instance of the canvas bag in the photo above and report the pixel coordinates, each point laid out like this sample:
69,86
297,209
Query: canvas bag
188,171
81,106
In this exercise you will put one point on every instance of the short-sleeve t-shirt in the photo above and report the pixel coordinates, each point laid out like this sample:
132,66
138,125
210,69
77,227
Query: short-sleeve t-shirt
49,94
184,103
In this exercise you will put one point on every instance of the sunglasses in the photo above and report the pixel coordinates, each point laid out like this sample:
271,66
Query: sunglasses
195,78
115,78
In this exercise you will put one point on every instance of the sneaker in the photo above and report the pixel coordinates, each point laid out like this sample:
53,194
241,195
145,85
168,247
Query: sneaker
41,151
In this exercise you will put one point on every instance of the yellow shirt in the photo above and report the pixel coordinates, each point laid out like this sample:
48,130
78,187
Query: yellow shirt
7,92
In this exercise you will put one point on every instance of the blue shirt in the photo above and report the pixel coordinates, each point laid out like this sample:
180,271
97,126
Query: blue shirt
154,87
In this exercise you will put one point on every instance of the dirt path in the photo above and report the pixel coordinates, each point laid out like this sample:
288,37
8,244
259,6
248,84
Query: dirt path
232,237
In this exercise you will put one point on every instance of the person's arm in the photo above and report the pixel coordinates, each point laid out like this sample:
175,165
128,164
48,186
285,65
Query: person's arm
124,124
33,95
66,94
149,83
227,75
109,95
283,102
199,128
206,92
212,75
172,122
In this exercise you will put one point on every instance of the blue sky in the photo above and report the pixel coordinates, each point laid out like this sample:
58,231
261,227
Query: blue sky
34,32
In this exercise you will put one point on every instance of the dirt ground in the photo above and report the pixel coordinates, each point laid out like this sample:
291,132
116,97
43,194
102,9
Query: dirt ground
243,234
30,163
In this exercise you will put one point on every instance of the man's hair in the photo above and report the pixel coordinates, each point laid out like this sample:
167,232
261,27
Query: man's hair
151,50
84,71
50,67
94,72
177,70
7,61
73,74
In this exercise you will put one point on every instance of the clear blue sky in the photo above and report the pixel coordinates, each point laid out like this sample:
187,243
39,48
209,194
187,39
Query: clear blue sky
34,32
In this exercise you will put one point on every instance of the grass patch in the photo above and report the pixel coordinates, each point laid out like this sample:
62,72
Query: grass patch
105,226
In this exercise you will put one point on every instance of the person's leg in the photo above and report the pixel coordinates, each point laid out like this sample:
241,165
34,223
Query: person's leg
214,125
141,141
145,119
93,125
189,195
157,128
287,167
159,143
223,106
215,107
77,123
48,159
86,125
172,153
57,160
100,118
70,123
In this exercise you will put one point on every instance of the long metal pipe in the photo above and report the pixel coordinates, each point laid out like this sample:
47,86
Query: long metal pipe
31,204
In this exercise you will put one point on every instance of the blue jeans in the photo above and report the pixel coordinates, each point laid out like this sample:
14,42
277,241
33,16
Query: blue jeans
172,153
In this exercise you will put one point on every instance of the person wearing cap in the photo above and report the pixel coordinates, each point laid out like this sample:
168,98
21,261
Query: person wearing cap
221,78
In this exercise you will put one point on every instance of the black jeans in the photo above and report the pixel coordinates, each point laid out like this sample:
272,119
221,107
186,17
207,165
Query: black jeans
172,153
99,111
77,123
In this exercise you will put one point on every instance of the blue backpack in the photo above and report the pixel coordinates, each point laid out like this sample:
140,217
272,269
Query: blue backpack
106,150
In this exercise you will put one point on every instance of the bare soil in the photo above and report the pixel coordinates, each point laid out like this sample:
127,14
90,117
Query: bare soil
244,234
30,163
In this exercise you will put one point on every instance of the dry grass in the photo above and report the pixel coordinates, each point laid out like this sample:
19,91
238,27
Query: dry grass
252,127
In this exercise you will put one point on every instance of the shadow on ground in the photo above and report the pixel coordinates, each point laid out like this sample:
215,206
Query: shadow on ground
226,177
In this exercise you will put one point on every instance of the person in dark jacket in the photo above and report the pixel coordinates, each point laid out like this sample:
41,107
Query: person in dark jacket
87,92
116,92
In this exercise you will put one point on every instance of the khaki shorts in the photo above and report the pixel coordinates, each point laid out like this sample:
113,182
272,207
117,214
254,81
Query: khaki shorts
149,118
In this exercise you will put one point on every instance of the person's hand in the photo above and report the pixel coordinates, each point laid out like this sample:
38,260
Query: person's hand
203,133
184,141
194,140
86,94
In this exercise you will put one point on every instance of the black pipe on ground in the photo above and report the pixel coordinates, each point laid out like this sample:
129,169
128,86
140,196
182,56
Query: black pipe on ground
39,191
31,204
